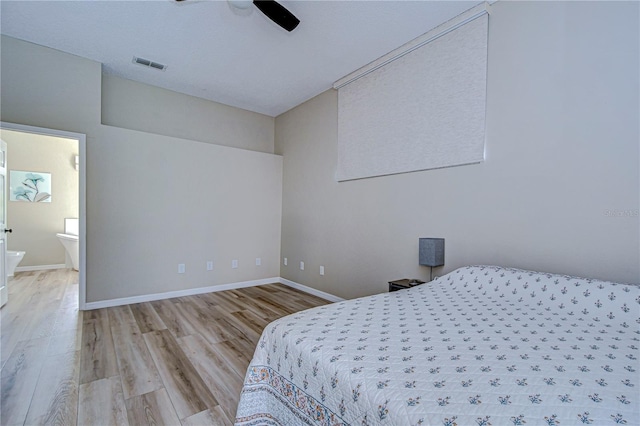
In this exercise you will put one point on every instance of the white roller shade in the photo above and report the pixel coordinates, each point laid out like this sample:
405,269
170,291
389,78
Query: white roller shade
419,110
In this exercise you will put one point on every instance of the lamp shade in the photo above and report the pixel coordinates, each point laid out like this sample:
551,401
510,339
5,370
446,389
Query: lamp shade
431,251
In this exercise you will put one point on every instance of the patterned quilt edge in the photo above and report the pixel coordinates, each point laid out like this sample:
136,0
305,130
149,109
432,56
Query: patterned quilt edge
262,379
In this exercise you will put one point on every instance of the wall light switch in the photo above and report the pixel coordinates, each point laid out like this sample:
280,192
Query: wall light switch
181,268
302,266
209,265
322,270
285,261
258,261
234,264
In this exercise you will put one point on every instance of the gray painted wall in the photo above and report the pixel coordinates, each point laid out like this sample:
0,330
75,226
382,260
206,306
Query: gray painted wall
562,150
163,201
137,106
152,201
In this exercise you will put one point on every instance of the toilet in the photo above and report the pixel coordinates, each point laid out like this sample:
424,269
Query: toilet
72,246
13,259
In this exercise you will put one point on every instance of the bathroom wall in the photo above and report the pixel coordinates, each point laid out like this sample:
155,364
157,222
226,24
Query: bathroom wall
35,224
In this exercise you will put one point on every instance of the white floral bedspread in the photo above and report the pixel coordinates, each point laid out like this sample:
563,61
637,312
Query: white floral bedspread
482,345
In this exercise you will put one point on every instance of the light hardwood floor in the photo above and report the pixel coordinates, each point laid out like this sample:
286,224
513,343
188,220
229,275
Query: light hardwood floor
175,361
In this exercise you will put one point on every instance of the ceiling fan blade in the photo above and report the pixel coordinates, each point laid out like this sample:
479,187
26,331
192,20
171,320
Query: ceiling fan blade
277,13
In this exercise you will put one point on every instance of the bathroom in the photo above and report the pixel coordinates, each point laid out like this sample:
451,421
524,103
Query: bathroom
42,214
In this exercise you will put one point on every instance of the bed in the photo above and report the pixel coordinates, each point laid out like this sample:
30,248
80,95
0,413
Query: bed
481,345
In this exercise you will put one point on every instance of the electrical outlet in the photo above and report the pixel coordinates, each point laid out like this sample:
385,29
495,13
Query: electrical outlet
209,265
258,261
302,266
285,261
181,268
234,264
322,270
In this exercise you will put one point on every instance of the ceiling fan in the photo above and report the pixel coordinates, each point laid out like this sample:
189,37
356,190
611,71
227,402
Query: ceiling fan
272,10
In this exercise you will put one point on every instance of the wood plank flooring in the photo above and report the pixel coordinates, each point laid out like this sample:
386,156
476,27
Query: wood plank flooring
175,362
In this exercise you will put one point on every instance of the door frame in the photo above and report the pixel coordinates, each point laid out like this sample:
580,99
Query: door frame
4,279
82,192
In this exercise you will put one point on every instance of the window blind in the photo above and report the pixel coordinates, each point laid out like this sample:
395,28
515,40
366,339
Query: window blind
422,109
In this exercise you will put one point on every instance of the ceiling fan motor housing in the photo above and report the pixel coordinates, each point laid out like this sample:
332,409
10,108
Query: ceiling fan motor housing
241,4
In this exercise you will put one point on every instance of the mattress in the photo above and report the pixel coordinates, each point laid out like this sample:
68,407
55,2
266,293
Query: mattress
481,345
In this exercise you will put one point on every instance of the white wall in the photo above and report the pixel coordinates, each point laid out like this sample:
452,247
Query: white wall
562,150
152,201
35,225
137,106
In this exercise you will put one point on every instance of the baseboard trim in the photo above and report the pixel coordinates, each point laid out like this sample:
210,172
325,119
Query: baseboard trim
178,293
39,267
321,294
210,289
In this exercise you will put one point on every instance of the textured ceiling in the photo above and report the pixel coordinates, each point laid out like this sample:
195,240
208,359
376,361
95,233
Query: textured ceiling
216,53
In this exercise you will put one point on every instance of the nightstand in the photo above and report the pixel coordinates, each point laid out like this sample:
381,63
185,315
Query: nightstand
404,283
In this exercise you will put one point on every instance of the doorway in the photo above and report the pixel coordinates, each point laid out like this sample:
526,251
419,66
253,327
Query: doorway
52,134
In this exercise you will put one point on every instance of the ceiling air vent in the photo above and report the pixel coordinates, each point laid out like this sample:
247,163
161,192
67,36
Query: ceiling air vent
148,63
